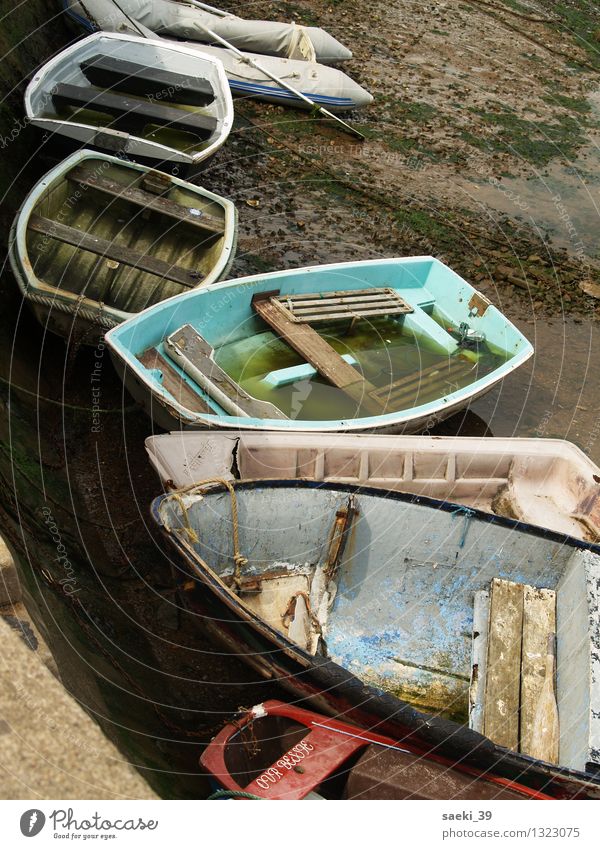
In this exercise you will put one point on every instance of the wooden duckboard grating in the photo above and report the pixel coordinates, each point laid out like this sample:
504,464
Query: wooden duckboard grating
337,306
439,378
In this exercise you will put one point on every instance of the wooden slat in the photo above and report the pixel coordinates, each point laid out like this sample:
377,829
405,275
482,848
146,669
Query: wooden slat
417,376
110,250
539,620
329,306
481,624
162,205
319,353
159,83
174,383
194,355
333,314
503,678
129,112
436,384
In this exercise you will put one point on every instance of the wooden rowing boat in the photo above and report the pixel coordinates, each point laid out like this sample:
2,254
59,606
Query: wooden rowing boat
390,345
148,99
545,482
421,619
98,239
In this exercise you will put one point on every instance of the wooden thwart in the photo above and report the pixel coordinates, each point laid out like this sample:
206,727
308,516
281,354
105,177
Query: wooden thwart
146,200
131,114
194,355
159,83
333,306
319,353
111,250
508,676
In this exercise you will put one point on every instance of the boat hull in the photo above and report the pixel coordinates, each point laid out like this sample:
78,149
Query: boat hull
328,687
545,482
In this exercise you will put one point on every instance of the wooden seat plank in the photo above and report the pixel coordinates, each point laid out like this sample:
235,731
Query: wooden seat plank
159,83
146,200
111,250
132,113
539,620
318,352
503,674
195,356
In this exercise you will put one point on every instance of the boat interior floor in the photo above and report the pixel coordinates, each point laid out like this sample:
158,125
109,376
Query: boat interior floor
99,233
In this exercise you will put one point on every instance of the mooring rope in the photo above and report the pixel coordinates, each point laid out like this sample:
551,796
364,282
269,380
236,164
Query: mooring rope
238,559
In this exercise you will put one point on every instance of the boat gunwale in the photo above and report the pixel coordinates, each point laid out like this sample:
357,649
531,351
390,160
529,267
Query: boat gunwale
19,255
161,151
429,410
202,572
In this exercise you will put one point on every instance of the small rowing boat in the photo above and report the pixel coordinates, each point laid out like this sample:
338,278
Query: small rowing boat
469,635
545,482
388,345
145,99
99,238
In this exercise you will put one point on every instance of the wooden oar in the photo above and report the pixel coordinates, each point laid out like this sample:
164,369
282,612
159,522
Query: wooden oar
282,83
545,737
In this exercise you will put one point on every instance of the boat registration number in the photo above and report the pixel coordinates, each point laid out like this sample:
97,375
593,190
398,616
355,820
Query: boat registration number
285,763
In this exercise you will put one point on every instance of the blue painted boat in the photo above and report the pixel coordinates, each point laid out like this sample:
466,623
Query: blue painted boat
425,620
381,345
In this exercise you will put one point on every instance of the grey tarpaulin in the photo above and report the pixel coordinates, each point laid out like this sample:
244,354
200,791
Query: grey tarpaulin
168,17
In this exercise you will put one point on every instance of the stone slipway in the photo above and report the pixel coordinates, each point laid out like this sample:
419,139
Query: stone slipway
49,747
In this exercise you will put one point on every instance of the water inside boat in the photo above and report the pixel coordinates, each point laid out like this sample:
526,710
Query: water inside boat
183,141
383,353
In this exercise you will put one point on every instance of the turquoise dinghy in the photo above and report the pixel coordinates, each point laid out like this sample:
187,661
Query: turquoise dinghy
390,345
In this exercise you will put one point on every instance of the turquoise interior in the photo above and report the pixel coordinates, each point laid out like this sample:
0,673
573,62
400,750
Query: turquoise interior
223,314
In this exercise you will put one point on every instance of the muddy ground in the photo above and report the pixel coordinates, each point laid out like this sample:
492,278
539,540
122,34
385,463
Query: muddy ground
481,149
479,108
